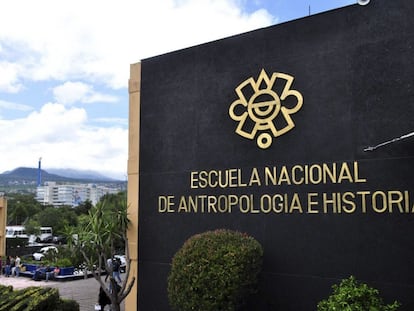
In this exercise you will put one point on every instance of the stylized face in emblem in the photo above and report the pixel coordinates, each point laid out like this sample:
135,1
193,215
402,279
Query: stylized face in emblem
264,114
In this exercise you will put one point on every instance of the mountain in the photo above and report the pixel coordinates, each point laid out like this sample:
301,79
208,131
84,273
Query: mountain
79,174
28,176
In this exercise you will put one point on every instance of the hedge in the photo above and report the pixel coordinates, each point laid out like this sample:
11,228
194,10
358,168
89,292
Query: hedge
214,270
34,299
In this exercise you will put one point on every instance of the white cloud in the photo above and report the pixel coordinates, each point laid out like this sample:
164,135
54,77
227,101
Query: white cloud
97,40
9,77
72,92
92,41
14,106
63,139
119,121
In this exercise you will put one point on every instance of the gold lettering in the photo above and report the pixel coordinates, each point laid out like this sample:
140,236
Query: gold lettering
233,201
233,178
201,199
212,201
345,173
363,195
245,203
338,203
192,204
203,179
212,183
295,204
265,205
254,178
241,184
315,180
277,201
222,180
328,172
300,180
270,176
311,203
407,202
193,180
356,174
395,197
306,177
382,198
165,204
284,176
331,201
182,206
348,199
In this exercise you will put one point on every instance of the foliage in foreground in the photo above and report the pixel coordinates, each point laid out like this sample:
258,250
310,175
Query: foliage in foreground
352,295
97,239
215,270
34,299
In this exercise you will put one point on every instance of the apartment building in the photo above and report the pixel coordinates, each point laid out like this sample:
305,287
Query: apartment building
55,194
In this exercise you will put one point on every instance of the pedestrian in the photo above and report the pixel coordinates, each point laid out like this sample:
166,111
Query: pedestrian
103,299
12,266
116,267
17,266
38,273
7,267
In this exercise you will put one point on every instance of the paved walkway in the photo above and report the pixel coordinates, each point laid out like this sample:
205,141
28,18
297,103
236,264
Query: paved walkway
85,291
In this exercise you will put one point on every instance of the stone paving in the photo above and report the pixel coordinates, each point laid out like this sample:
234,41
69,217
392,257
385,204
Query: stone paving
84,291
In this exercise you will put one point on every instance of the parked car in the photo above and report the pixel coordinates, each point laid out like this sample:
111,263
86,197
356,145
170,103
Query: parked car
43,251
60,239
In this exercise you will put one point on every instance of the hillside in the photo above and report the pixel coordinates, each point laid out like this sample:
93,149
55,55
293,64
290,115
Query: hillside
26,178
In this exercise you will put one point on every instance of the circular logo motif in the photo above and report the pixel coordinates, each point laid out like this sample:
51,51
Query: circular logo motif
257,114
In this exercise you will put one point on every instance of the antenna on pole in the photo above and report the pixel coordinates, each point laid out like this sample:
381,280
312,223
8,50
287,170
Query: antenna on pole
39,173
372,148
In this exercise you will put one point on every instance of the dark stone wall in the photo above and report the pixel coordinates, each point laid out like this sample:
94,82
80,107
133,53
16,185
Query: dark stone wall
354,69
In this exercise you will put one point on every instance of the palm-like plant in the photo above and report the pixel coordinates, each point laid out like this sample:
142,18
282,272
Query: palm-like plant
96,238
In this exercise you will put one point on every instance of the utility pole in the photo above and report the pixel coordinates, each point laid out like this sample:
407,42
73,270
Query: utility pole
39,173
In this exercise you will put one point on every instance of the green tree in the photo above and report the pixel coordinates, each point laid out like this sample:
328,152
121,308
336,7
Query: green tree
57,218
83,208
96,238
32,227
21,207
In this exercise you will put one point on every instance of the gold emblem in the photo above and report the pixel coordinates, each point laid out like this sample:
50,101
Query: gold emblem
263,110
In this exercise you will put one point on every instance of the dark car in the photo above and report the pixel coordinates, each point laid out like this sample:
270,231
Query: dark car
60,239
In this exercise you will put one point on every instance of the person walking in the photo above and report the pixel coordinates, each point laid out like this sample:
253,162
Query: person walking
12,266
116,269
17,264
7,267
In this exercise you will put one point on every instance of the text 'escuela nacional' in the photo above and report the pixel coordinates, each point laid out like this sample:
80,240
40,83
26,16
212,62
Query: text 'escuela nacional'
333,173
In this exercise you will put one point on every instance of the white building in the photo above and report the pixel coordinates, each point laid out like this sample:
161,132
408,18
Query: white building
55,194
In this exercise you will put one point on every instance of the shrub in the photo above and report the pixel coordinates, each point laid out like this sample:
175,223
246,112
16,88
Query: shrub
215,270
68,305
63,262
47,299
34,299
352,295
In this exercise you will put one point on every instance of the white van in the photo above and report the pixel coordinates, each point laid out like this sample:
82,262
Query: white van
46,234
16,232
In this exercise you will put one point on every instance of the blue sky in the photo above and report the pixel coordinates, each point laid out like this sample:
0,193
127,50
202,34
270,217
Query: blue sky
64,68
